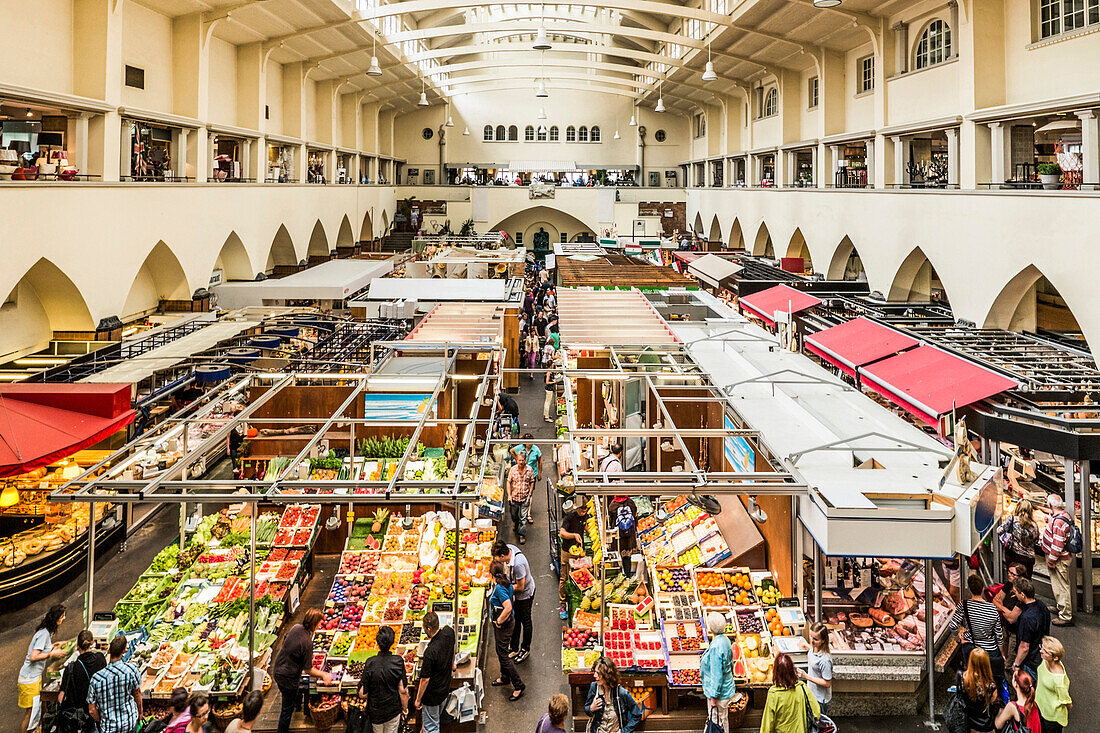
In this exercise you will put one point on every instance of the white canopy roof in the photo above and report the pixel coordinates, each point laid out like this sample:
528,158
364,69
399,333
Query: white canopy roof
438,289
713,269
332,280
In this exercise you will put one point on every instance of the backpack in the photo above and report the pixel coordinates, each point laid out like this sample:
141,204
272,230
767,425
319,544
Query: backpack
1074,541
624,519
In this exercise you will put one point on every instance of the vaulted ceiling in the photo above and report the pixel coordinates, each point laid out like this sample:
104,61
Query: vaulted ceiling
634,48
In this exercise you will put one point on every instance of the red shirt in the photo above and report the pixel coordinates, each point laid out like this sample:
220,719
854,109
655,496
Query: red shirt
521,482
1055,535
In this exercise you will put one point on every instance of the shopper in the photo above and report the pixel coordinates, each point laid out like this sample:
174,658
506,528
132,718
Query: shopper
199,707
624,521
250,710
1019,534
41,649
785,708
982,625
976,688
1053,544
716,671
518,488
570,535
819,672
610,706
385,685
613,461
114,692
181,711
1033,624
1005,598
553,720
1052,687
436,672
548,351
552,384
506,405
1022,709
501,613
531,348
534,454
294,659
523,586
73,695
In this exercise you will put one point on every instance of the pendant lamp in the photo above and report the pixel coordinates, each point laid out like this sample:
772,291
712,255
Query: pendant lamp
542,42
540,91
9,497
450,121
466,132
423,97
375,69
826,3
633,121
542,113
708,72
660,105
617,136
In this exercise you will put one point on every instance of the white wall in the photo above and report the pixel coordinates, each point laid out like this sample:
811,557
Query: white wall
275,98
223,82
147,44
36,49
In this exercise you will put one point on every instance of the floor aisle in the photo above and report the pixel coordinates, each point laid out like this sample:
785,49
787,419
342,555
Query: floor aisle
542,670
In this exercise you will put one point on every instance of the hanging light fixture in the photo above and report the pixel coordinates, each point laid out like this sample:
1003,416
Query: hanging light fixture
466,132
617,136
633,105
660,97
29,113
375,69
10,496
423,97
542,43
542,113
708,72
826,3
758,515
450,121
540,90
542,128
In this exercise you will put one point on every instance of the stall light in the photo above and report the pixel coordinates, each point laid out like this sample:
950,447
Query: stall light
826,3
758,515
13,376
40,361
375,69
29,113
9,497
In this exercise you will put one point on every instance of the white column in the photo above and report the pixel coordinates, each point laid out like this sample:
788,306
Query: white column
1090,146
998,154
179,165
246,158
301,163
80,158
814,167
953,19
790,170
952,156
870,164
834,153
778,170
901,158
125,148
901,47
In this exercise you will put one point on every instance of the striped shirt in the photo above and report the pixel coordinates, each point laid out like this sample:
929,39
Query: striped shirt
111,690
982,621
1055,536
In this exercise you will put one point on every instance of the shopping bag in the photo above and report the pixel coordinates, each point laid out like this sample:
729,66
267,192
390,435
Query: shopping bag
713,726
955,716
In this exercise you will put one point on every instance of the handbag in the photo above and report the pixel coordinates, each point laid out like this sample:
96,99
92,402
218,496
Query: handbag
812,722
955,715
1016,726
713,726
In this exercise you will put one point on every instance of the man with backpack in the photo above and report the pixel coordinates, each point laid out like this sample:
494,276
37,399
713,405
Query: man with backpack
1060,541
624,519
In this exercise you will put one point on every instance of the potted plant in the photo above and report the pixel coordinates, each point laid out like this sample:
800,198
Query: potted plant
467,229
1049,173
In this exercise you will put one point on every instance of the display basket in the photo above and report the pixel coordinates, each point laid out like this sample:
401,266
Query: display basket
324,718
737,711
223,716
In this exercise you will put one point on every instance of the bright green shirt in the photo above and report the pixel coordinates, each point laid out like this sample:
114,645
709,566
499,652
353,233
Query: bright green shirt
785,710
1052,695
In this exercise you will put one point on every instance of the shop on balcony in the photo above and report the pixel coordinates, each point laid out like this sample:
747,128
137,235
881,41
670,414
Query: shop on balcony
801,162
40,143
853,159
926,155
762,162
232,156
345,166
737,167
282,156
1053,147
368,167
717,172
317,165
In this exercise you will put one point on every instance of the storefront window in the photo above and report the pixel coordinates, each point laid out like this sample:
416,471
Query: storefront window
280,163
150,152
851,167
35,144
227,159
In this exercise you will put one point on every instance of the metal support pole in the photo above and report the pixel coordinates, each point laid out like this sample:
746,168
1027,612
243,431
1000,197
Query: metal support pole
930,646
1087,589
985,451
603,567
1071,501
252,599
89,605
458,564
819,577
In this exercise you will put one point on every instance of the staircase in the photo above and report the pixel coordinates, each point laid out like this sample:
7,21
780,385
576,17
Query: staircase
397,242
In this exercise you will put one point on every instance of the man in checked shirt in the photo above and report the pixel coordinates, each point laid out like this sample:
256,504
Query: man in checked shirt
1053,545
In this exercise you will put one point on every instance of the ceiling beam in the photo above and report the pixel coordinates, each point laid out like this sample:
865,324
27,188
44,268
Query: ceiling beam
572,64
554,26
653,7
500,85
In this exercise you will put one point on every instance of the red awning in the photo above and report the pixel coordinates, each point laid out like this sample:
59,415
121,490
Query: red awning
43,423
780,298
929,382
686,257
857,343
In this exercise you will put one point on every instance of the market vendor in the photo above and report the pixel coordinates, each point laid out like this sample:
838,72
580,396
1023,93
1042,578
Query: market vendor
295,658
506,404
571,534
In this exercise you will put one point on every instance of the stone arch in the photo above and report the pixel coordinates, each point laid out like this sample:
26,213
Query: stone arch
160,276
233,260
345,237
697,227
318,242
797,247
43,301
846,263
1031,302
715,234
553,222
736,239
762,245
282,250
916,280
385,222
366,232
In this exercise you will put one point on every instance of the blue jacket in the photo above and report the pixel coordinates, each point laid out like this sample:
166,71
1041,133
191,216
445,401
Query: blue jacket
628,710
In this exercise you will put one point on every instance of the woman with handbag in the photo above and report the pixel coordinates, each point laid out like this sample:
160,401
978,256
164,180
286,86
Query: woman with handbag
611,707
1052,687
790,707
73,696
504,622
1018,534
978,692
716,672
1022,714
981,627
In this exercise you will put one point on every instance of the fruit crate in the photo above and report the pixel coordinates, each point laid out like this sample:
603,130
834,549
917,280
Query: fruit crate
684,637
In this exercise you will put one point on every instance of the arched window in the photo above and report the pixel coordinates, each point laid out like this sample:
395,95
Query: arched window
541,134
487,134
771,102
529,134
582,134
570,134
934,46
513,133
502,134
595,133
554,134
